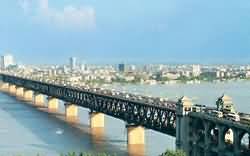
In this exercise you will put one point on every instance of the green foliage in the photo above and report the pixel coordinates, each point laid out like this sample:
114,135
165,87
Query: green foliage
207,76
87,154
137,79
162,79
97,81
183,79
173,153
120,80
81,154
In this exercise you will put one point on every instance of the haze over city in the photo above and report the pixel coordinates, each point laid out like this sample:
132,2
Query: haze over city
139,31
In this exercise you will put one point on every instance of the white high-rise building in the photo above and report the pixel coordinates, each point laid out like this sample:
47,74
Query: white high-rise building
196,70
6,61
83,67
72,63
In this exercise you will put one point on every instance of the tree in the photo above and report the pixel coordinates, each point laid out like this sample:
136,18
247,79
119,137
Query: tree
183,78
173,153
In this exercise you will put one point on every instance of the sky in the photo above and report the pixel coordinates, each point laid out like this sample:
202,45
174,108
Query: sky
132,31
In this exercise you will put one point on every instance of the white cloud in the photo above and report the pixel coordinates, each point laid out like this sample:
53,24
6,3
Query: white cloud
81,17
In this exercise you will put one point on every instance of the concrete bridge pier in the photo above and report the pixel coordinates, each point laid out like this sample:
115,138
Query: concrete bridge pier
5,87
135,139
135,134
97,123
39,99
53,104
71,112
12,89
20,92
236,141
96,119
28,95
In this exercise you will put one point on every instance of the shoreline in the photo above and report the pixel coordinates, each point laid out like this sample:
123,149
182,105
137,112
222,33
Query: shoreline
173,82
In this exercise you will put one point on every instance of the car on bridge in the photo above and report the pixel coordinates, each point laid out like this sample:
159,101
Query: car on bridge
245,119
216,113
232,116
199,108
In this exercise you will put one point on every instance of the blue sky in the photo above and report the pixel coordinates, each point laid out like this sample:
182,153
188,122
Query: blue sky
113,31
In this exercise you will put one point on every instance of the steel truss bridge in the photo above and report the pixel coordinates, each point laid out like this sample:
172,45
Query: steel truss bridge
152,116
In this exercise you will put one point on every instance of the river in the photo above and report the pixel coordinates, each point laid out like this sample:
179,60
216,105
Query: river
28,130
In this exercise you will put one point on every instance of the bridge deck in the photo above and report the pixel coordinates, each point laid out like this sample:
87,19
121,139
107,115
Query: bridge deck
153,116
221,121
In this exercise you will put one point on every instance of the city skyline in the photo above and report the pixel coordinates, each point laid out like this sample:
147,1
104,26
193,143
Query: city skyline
162,32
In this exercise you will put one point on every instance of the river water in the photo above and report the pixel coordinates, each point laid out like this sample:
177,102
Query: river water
29,130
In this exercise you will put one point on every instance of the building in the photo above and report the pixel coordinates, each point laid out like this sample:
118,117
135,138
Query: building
121,67
83,67
132,68
7,61
196,70
248,74
72,63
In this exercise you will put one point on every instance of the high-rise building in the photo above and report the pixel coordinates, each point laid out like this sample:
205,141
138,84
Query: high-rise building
196,70
132,68
83,67
121,67
6,61
72,63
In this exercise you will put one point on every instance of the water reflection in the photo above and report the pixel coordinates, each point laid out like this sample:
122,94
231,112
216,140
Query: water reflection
136,150
52,110
73,120
97,136
20,98
43,132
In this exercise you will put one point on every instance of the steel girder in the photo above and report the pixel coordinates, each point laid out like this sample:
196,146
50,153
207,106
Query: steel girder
153,117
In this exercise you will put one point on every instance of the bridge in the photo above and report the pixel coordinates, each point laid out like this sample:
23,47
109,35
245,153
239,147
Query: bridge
217,137
197,133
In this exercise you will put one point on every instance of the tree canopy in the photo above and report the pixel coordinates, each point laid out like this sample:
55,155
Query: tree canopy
173,153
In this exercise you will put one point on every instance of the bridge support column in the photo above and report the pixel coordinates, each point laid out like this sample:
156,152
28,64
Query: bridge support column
5,87
12,89
183,128
28,95
221,140
20,92
39,99
96,120
135,139
71,110
207,140
236,141
135,135
53,104
249,142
